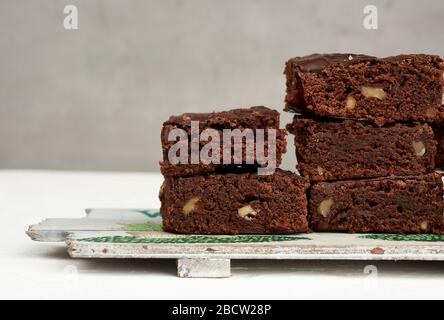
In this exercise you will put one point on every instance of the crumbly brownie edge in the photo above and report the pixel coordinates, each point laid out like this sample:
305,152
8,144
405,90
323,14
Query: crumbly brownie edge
253,117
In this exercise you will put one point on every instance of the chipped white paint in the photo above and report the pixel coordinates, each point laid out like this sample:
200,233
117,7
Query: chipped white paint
203,268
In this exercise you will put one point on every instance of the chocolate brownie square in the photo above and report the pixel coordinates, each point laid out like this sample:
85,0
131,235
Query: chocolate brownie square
245,203
399,88
410,204
330,150
255,118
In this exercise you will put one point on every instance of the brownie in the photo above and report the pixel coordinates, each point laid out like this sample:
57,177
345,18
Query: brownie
439,137
330,150
409,204
245,203
253,118
399,88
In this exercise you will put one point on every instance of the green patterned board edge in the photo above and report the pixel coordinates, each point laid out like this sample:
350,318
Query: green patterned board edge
405,237
194,239
150,213
142,227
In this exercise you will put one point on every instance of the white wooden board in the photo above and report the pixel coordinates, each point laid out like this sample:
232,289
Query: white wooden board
123,233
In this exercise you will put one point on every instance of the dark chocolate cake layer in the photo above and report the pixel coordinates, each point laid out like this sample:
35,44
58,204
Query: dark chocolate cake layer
410,204
330,150
244,203
399,88
254,118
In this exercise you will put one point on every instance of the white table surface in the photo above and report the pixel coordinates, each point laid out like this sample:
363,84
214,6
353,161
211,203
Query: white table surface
45,271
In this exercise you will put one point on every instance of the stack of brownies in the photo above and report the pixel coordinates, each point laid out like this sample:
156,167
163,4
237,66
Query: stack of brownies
364,143
364,140
230,198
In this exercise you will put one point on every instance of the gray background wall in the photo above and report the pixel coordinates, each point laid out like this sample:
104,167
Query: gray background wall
95,98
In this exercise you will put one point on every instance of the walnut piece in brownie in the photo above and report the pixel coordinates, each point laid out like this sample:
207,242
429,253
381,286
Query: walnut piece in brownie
410,204
245,203
330,149
253,118
399,88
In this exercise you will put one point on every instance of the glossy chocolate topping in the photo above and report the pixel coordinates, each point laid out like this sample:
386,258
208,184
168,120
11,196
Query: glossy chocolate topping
316,62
